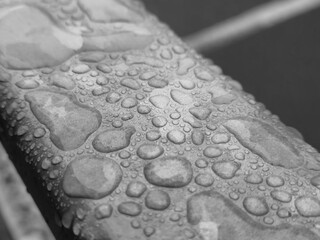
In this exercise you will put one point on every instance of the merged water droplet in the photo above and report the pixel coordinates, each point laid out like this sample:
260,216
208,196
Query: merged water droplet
226,169
254,179
256,206
275,181
169,172
176,136
181,97
220,138
90,177
70,123
103,211
308,206
113,140
159,101
200,113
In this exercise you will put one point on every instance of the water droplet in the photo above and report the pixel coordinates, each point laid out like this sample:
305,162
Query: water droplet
204,179
220,138
143,109
153,135
113,140
281,196
254,179
197,137
102,80
27,84
200,113
256,206
265,141
308,206
130,83
129,102
283,213
104,68
159,121
136,189
181,97
166,54
176,136
185,65
91,178
225,169
147,75
159,101
315,181
69,122
157,200
113,97
148,231
130,208
103,211
275,181
149,151
201,163
39,132
212,152
60,80
203,74
81,68
187,84
157,83
234,196
100,91
169,172
240,156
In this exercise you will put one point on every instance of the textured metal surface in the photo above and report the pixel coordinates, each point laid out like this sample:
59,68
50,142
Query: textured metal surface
134,136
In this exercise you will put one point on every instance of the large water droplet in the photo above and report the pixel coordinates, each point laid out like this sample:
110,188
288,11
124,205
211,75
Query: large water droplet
69,122
308,206
200,112
176,136
90,177
181,97
113,140
275,181
159,101
169,172
256,206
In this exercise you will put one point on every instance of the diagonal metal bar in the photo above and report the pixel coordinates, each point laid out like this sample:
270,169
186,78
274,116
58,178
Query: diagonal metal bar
250,22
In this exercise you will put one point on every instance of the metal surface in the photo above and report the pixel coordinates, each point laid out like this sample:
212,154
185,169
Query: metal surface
133,135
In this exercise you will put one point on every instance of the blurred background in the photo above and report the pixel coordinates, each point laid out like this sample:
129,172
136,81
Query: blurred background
279,65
